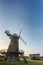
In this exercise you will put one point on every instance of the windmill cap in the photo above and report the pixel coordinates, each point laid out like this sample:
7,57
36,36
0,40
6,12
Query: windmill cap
15,34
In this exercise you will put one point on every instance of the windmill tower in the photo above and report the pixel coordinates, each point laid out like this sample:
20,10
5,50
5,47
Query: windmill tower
13,49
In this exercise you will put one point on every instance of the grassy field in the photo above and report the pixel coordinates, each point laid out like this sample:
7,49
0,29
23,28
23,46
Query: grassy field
30,62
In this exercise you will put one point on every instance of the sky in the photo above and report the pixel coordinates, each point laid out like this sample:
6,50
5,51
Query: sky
27,14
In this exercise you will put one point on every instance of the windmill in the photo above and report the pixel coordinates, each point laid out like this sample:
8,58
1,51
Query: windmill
13,49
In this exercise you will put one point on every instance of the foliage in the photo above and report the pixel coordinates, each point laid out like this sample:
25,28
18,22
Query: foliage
21,63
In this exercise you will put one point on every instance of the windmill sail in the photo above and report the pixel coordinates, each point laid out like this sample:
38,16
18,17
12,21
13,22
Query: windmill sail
23,40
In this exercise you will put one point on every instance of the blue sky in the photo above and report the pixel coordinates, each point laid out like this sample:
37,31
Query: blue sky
25,13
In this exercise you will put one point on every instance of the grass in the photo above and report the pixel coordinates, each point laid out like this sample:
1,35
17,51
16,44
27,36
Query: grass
30,62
